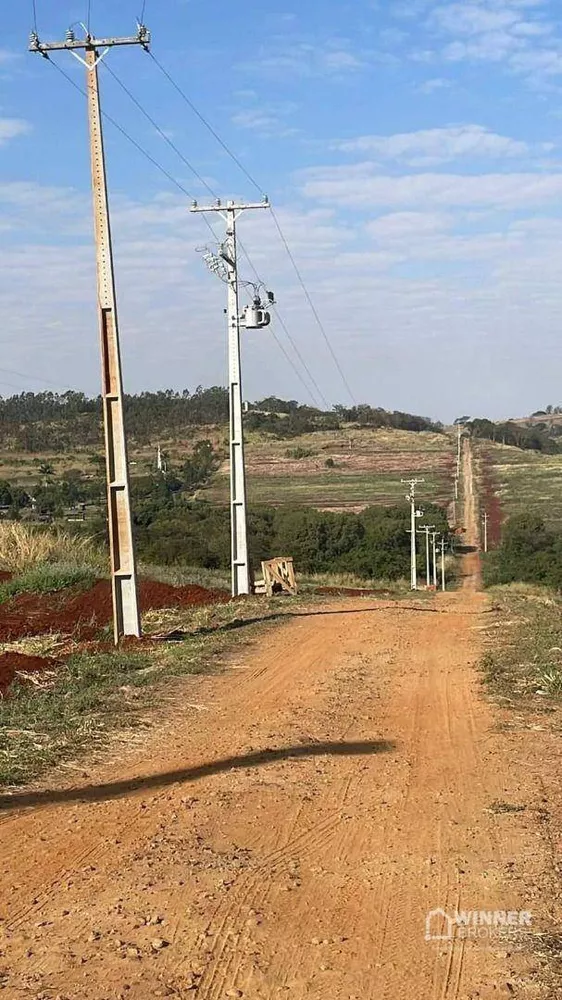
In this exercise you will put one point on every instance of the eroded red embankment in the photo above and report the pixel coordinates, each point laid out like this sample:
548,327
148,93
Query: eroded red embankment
490,501
13,663
81,614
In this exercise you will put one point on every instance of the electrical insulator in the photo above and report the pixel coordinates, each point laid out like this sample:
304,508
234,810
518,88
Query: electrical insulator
70,36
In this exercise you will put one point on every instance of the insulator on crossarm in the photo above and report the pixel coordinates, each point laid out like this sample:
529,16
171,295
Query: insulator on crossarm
70,35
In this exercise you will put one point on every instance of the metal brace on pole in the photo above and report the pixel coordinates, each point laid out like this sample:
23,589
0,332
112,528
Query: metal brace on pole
126,617
241,576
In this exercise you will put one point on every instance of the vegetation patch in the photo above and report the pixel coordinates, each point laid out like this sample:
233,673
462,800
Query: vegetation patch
53,718
523,662
47,579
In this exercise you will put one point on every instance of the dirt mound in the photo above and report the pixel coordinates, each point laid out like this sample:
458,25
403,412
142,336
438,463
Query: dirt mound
82,613
12,663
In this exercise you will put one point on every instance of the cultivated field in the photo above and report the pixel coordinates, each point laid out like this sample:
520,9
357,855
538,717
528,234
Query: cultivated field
523,480
342,470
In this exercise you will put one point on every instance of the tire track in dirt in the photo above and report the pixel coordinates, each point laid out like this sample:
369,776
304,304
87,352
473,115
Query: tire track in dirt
309,876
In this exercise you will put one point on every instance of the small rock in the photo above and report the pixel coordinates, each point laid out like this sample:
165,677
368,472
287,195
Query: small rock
234,993
133,952
158,943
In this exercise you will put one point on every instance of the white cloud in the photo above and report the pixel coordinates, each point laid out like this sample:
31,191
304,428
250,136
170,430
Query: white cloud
435,84
409,282
267,120
11,128
515,32
439,145
306,59
357,186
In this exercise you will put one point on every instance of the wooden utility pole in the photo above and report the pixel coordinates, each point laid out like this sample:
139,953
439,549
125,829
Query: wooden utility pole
126,617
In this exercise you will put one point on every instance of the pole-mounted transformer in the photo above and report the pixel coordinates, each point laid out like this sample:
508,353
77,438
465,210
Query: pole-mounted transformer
254,317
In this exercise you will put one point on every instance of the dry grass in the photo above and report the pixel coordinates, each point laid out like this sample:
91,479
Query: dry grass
24,547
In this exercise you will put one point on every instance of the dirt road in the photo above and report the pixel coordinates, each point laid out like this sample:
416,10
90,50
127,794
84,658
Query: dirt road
288,836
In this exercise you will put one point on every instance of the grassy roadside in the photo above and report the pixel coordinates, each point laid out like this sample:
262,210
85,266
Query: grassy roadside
523,662
55,716
522,671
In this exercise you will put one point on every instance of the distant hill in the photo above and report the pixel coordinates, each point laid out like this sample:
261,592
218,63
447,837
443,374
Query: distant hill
51,422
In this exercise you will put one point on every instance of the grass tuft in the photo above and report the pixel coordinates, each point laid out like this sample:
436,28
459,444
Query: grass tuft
24,546
47,579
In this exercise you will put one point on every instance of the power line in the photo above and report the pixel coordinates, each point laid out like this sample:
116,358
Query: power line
312,306
34,5
207,124
213,193
141,19
34,378
89,17
283,325
284,240
160,130
189,195
173,180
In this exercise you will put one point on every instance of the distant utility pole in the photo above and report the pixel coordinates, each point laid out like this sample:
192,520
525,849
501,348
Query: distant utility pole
485,518
411,498
424,530
254,317
434,548
443,586
126,617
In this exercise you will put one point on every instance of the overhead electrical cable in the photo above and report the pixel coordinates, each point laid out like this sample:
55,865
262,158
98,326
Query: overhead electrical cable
160,130
276,221
214,194
34,5
206,123
35,378
173,180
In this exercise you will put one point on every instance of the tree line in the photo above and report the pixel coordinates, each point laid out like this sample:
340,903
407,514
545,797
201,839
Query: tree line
59,422
374,544
529,552
537,437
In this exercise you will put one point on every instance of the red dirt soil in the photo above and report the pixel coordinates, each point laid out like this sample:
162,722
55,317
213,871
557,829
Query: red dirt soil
349,592
11,663
490,502
83,613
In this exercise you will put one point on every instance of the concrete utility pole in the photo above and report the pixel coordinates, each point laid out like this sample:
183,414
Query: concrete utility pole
443,586
126,617
411,498
485,518
254,317
424,530
434,551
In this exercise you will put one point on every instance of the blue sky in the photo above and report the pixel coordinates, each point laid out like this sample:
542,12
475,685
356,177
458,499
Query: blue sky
412,149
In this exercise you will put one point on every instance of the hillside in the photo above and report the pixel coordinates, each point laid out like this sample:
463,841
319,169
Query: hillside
347,469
